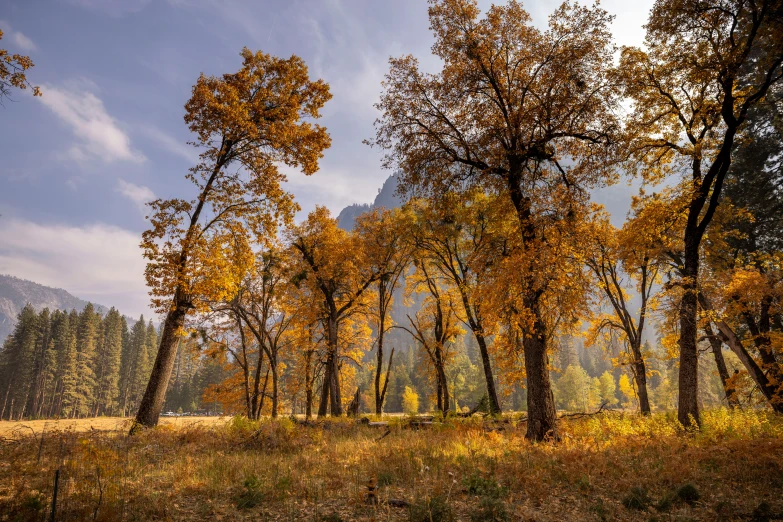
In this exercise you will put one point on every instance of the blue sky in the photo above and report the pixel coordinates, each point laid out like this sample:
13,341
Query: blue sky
108,135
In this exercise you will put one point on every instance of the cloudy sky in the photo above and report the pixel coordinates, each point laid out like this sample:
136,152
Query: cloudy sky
108,135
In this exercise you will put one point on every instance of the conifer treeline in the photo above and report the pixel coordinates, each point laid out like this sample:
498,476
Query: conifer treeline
71,364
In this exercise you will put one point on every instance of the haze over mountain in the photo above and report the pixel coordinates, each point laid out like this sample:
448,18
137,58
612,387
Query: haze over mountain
15,293
387,197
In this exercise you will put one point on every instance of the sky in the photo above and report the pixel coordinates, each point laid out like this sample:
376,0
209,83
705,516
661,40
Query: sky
108,134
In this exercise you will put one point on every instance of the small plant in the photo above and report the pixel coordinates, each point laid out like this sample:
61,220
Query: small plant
385,478
484,487
637,498
252,495
688,493
490,509
431,509
331,517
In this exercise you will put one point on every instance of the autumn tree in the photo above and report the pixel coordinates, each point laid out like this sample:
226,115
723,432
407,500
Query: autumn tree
13,73
383,235
332,264
454,233
615,256
521,111
707,64
246,124
261,306
434,325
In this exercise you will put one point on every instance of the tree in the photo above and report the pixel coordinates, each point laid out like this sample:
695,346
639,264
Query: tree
410,401
108,364
454,233
332,265
13,73
615,254
607,388
245,123
434,325
382,233
524,112
708,63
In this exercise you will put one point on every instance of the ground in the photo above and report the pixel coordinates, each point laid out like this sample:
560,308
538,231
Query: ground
613,466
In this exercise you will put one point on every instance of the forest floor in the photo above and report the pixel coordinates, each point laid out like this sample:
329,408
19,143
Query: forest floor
612,466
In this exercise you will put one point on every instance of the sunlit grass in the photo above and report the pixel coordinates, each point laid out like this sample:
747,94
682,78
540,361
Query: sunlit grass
613,466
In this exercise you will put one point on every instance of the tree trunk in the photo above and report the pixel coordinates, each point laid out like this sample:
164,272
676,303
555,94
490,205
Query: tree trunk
542,415
323,406
155,394
494,404
273,367
640,376
688,406
379,365
723,371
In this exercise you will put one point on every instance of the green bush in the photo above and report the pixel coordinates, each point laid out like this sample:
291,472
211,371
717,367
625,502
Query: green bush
431,509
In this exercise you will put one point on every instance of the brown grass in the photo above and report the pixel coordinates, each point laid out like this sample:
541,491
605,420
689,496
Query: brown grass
279,470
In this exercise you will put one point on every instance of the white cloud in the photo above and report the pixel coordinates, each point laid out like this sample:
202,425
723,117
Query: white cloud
20,40
140,195
99,262
169,143
100,134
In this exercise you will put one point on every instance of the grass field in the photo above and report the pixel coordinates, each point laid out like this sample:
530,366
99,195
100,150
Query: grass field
611,466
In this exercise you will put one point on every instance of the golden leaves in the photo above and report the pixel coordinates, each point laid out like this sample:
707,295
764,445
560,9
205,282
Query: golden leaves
13,72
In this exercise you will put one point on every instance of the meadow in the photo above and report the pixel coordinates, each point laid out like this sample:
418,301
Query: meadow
611,466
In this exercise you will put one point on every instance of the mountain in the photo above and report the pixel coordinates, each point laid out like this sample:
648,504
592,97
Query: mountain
15,293
387,197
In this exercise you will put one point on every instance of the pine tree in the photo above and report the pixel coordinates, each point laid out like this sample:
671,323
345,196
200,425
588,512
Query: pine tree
16,361
87,339
108,363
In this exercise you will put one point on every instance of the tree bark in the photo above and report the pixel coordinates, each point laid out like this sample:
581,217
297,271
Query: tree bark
494,404
688,406
640,376
542,415
155,394
720,362
379,366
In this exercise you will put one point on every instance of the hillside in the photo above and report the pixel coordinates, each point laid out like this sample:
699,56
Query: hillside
15,293
387,197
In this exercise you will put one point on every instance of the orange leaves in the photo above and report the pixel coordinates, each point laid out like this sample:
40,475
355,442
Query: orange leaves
245,123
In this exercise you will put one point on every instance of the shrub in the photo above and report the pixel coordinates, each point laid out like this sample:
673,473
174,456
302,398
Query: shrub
688,493
637,498
484,487
251,495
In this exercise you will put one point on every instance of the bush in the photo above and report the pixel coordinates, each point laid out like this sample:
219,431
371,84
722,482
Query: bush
688,493
637,498
252,495
484,487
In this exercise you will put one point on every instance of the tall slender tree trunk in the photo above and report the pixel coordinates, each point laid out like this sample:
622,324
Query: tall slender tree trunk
379,365
308,387
720,362
688,405
155,394
494,404
273,366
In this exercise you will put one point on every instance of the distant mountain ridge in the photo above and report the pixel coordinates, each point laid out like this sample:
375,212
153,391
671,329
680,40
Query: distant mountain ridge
387,197
15,293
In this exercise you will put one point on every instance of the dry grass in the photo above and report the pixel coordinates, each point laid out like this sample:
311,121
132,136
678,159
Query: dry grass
13,429
608,467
